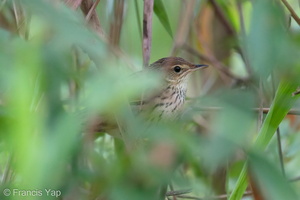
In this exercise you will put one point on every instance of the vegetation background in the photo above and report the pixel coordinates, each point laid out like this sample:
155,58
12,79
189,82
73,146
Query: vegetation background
65,63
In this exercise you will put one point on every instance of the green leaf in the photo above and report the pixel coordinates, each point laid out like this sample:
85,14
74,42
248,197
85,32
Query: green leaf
273,185
160,11
267,26
282,103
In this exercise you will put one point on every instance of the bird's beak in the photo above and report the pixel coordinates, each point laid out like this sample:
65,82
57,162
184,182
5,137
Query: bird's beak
203,66
199,66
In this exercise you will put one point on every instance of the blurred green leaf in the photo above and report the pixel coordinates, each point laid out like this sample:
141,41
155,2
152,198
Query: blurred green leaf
267,26
228,136
65,28
160,11
270,180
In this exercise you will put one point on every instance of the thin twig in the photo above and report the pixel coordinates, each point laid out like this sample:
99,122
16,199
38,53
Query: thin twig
291,112
117,23
295,179
280,151
172,189
93,20
96,26
222,17
74,4
220,66
147,30
230,29
293,13
264,110
296,92
178,192
223,196
88,16
261,104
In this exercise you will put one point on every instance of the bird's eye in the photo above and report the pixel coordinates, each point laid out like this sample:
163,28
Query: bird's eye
177,69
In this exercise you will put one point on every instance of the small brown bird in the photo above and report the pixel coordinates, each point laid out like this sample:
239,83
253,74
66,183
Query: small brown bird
164,103
169,100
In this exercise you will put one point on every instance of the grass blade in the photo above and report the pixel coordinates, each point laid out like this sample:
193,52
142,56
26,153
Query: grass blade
160,11
282,103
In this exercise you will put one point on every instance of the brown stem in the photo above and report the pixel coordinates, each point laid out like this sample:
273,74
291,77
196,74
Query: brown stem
96,26
230,29
280,151
88,16
222,17
177,192
293,13
93,19
116,24
147,30
74,4
264,110
223,196
261,104
211,59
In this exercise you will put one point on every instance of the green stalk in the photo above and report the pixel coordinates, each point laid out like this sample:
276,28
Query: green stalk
282,103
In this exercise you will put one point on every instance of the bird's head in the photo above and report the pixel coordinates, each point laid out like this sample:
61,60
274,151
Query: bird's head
175,69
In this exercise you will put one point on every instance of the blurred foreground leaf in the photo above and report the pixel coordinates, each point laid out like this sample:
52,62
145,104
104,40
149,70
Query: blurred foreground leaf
267,26
227,136
270,180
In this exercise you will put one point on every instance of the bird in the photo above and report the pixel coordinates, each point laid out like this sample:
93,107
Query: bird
168,101
163,103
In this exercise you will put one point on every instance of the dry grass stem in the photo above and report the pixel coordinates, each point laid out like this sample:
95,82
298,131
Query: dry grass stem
147,30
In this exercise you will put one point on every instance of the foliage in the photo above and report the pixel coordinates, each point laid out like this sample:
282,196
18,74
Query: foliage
66,65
